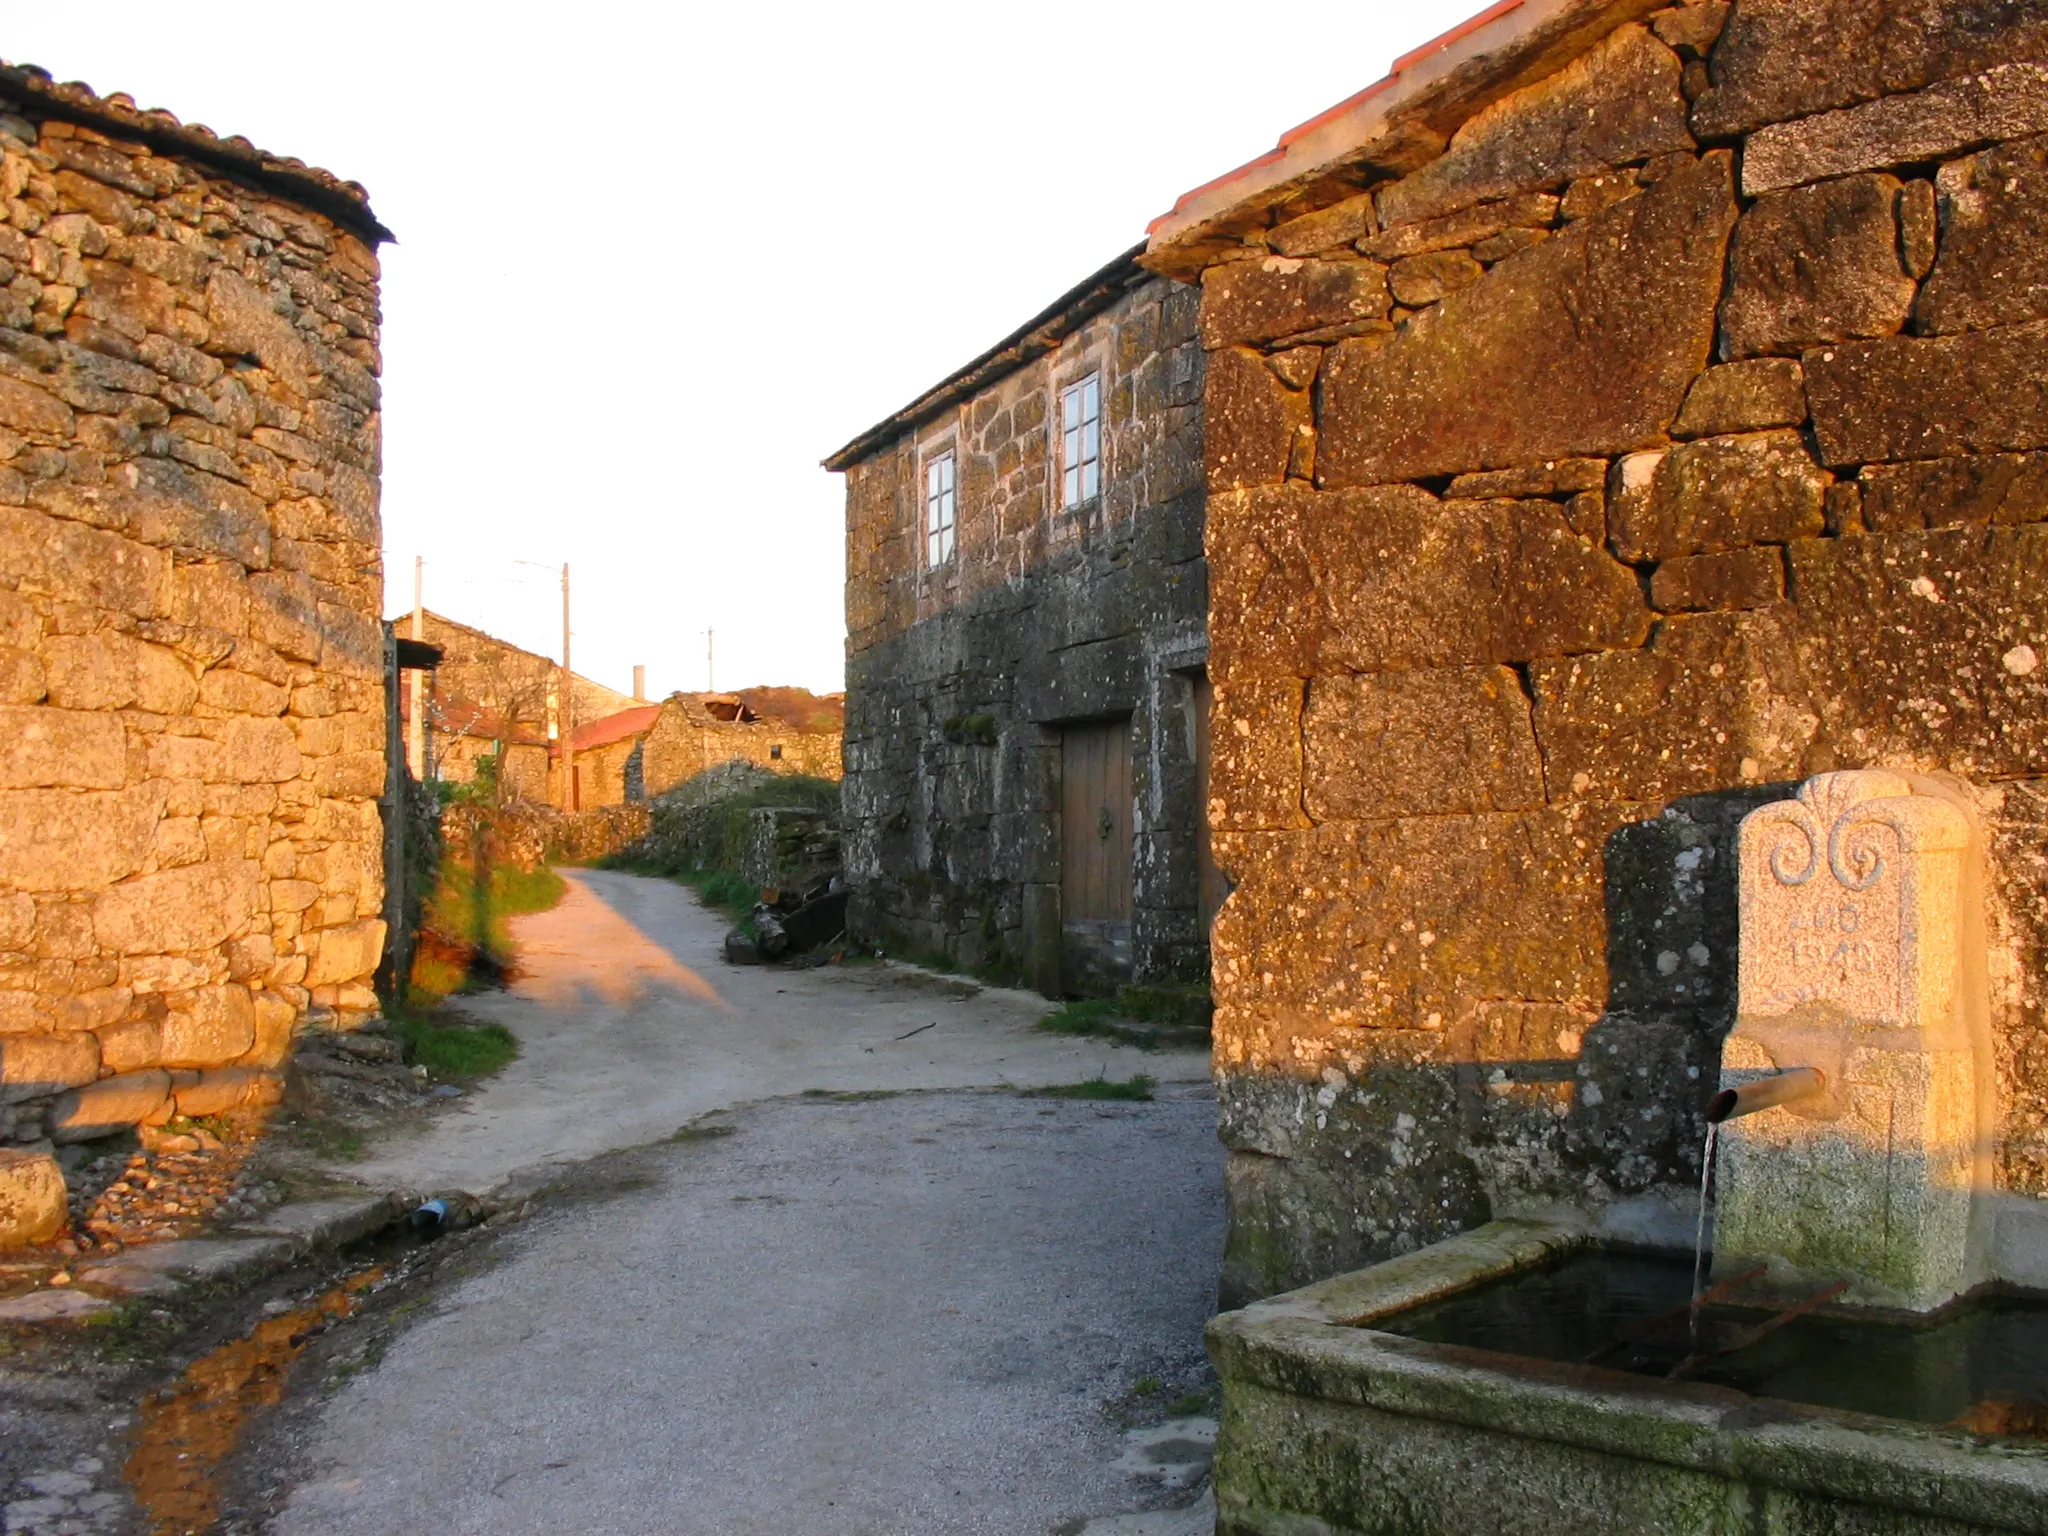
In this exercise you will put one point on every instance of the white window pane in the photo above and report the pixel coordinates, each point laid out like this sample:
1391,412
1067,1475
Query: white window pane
1091,441
1091,397
1090,480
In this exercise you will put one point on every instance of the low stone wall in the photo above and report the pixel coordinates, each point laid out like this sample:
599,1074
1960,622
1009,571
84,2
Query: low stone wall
587,836
790,846
191,700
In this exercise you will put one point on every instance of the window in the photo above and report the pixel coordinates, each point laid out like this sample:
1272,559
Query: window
1081,441
775,750
938,510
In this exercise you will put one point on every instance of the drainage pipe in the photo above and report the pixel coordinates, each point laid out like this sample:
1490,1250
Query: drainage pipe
1764,1093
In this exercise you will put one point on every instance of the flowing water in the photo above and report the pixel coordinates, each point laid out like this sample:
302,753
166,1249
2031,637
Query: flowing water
189,1429
1699,1238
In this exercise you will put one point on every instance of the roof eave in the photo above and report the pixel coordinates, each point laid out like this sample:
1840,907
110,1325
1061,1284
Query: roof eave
1388,129
318,191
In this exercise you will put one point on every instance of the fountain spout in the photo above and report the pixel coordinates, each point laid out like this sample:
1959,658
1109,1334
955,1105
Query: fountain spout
1765,1093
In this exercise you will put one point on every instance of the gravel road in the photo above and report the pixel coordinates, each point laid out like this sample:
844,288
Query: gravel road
904,1315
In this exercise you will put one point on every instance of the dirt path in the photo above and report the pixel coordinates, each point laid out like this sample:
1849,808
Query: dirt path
925,1315
630,1024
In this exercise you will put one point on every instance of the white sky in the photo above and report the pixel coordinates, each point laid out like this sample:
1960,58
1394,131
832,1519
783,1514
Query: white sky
657,261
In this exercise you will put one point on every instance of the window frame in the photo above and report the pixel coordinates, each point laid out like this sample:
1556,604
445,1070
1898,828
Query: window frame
941,539
1080,443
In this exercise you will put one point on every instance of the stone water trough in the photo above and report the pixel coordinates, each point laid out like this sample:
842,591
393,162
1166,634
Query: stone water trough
1866,1356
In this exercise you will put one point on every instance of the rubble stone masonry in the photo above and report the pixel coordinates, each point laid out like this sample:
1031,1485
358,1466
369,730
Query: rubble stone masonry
960,675
191,704
1675,429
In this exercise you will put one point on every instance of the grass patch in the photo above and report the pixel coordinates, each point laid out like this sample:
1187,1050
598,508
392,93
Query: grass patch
447,1049
1137,1088
1188,1404
1084,1016
465,927
689,1133
329,1140
1146,1017
852,1095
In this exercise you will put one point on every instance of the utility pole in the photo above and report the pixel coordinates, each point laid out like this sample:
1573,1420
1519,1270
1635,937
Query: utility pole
710,674
568,712
416,684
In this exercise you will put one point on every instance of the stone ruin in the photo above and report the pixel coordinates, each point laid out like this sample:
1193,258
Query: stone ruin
191,698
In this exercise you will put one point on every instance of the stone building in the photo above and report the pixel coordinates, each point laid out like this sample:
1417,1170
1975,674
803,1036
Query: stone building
1026,603
786,730
649,749
1619,413
489,696
190,845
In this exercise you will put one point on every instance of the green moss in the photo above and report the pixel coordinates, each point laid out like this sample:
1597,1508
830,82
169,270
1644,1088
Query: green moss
1138,1087
979,730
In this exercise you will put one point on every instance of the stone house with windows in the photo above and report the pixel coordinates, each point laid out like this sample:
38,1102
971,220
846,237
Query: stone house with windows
1620,413
1026,635
191,684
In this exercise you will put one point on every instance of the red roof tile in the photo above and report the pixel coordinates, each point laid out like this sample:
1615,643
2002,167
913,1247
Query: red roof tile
1494,43
627,722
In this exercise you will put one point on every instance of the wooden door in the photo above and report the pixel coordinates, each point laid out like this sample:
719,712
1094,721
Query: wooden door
1095,856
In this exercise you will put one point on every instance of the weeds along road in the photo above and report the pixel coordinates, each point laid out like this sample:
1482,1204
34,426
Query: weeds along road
916,1308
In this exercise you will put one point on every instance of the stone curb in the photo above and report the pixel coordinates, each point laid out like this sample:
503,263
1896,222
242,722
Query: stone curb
239,1257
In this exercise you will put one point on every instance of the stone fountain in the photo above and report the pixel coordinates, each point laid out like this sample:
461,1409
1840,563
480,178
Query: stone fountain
1855,1365
1863,958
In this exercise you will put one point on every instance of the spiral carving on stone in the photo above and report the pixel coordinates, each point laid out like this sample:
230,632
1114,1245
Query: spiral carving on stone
1853,852
1791,821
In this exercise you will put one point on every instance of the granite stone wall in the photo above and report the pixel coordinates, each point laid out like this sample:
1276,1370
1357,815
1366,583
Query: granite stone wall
191,698
959,677
1675,432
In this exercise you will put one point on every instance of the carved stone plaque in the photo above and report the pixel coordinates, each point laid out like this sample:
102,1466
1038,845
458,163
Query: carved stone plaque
1849,902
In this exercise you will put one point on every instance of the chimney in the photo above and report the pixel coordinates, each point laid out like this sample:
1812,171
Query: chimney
639,685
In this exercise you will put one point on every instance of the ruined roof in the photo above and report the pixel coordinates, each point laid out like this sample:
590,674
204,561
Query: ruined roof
637,721
798,708
1032,340
346,202
1388,129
